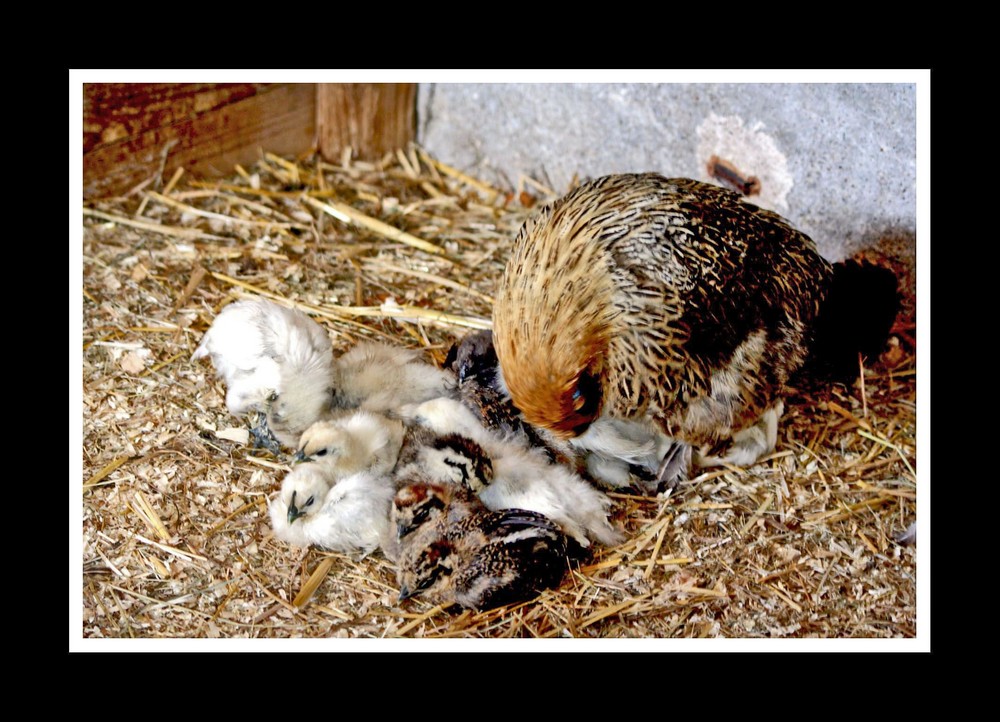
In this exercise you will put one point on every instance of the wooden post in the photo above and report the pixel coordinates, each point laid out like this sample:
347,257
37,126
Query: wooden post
371,119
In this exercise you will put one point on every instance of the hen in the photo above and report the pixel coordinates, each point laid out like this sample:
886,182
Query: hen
637,297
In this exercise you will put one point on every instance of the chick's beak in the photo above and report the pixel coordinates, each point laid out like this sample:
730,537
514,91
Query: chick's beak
299,457
294,513
404,593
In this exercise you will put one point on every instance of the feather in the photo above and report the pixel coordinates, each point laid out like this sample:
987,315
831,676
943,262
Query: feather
647,299
455,551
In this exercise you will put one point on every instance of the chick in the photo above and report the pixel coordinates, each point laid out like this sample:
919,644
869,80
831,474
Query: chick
450,459
380,377
506,474
358,441
481,387
258,348
346,514
455,551
373,376
622,452
644,298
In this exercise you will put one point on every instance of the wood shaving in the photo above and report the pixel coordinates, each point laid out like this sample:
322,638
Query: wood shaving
176,540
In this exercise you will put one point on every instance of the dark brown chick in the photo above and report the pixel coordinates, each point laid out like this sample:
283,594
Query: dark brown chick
455,551
642,297
480,387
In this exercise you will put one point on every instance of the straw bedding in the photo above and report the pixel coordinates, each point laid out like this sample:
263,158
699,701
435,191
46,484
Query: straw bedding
176,541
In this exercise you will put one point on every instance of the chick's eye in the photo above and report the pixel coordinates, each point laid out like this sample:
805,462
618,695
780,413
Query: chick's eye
429,579
309,502
321,452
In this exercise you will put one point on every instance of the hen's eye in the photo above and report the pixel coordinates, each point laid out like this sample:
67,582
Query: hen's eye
587,395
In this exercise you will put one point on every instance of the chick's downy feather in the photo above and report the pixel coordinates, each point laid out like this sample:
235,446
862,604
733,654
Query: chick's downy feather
346,514
373,376
453,550
380,377
519,476
357,441
253,343
641,297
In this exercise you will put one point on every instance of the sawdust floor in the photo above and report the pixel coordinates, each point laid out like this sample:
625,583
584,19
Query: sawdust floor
176,541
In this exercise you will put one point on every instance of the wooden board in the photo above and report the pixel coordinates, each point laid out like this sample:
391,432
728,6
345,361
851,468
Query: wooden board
132,132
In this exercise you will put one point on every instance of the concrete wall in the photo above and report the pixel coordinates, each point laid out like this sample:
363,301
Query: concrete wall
838,160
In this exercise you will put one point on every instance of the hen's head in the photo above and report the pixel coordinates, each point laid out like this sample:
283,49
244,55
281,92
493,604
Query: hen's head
553,317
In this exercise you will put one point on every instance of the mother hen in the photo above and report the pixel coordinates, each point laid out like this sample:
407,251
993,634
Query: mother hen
639,297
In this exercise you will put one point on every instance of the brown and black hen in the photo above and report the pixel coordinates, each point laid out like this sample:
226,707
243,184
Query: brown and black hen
638,297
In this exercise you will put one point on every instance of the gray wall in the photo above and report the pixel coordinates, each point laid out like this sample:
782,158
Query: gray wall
838,160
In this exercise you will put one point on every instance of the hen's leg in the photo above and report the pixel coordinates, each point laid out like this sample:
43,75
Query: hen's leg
749,445
676,465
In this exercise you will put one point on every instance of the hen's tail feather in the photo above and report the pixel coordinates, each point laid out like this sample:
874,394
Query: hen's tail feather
856,317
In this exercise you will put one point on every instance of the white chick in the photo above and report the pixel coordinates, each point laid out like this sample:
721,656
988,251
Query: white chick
346,515
619,451
522,477
258,347
371,376
361,441
379,377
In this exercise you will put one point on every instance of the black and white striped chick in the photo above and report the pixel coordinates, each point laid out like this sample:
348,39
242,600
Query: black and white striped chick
522,477
455,551
454,459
